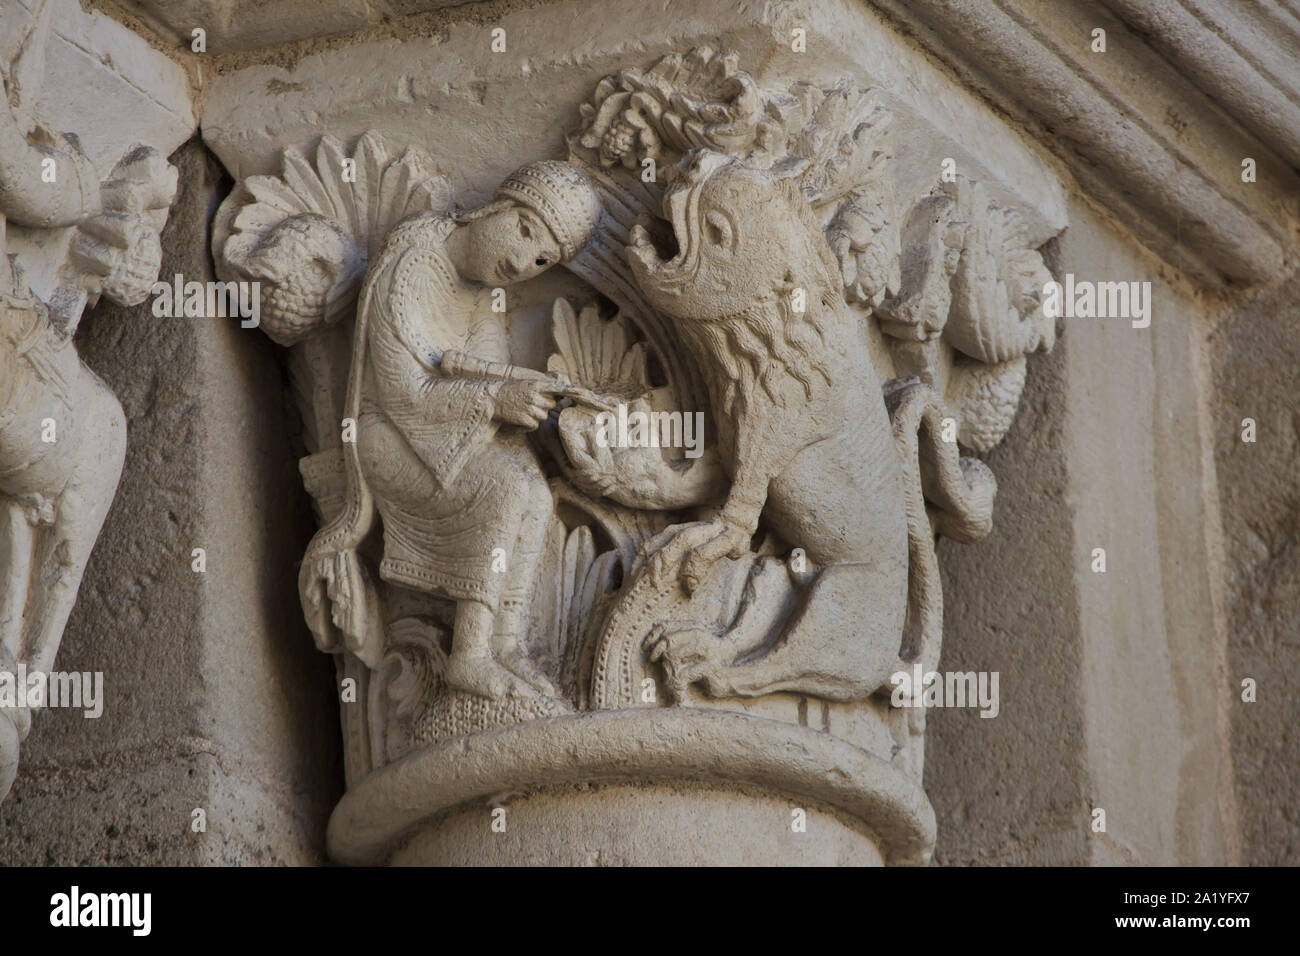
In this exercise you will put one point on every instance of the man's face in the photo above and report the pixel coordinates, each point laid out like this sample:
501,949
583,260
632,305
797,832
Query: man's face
510,246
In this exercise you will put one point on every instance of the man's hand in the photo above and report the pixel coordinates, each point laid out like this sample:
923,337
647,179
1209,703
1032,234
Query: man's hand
527,403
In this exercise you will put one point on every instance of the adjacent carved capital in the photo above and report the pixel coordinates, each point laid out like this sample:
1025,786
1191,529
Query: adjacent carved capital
62,432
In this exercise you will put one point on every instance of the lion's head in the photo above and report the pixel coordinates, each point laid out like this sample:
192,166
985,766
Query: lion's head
751,279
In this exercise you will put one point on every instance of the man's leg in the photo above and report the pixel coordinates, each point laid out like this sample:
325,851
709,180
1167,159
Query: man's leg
471,666
512,621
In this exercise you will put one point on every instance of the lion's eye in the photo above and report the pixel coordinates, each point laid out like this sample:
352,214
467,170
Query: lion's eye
540,262
717,230
524,230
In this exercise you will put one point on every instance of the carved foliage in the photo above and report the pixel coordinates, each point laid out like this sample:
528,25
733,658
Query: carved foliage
308,233
679,104
650,568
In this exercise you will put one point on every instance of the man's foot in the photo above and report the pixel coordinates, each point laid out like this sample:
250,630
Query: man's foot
485,677
522,666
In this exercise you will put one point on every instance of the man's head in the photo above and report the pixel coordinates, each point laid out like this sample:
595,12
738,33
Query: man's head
543,213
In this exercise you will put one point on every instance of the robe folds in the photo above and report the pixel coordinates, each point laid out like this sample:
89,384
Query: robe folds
460,495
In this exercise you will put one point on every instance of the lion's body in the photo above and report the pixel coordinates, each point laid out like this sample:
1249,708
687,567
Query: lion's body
801,422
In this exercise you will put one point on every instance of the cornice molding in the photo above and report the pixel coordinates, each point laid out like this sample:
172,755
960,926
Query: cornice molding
1156,127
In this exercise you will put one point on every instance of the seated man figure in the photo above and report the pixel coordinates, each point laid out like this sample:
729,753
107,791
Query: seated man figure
441,417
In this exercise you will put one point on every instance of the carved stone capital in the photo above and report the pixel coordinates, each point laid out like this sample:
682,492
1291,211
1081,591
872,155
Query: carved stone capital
78,220
627,568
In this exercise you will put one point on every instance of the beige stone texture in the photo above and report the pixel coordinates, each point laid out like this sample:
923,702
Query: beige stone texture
1118,682
1255,349
688,661
631,825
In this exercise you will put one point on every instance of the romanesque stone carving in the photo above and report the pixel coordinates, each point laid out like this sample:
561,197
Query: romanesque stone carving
493,567
441,418
62,432
972,284
806,439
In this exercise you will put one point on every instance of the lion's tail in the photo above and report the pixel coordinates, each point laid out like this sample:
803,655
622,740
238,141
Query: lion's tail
945,494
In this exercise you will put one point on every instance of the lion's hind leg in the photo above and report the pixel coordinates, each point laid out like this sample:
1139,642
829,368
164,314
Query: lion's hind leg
837,645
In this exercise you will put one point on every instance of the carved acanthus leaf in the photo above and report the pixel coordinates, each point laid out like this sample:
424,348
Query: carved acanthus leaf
837,146
681,103
995,315
972,281
308,233
594,351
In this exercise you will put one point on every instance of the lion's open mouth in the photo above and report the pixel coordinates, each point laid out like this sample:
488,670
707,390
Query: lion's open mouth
656,246
662,254
668,257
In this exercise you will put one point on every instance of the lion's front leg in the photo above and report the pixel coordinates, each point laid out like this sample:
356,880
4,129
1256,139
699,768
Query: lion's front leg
695,548
692,652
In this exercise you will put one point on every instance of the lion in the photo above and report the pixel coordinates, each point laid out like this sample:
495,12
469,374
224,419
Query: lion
806,437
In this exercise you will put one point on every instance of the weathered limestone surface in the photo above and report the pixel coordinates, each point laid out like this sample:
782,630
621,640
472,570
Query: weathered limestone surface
786,191
1013,618
1155,127
626,825
1117,427
438,85
1256,350
98,79
78,222
837,260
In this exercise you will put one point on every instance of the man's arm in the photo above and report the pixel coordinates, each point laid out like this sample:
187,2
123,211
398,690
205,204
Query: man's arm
442,418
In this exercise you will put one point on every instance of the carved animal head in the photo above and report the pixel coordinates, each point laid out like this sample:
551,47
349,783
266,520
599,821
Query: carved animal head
742,238
752,281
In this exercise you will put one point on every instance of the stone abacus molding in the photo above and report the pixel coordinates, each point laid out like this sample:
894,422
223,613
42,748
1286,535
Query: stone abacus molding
1154,128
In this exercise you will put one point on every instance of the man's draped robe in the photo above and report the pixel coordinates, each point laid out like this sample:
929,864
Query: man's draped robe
451,484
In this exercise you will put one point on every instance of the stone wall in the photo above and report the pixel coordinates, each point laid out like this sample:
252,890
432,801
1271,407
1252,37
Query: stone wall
1116,681
1255,346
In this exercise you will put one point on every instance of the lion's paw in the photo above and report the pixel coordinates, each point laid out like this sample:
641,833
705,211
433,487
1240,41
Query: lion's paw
687,655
